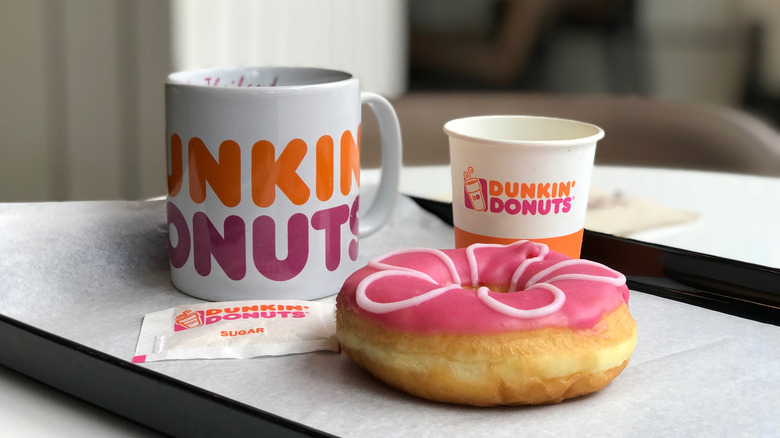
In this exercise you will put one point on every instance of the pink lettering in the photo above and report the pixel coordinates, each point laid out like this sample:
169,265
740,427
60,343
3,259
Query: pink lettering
496,205
181,252
227,250
512,206
330,221
226,245
353,228
543,206
557,203
566,204
529,207
264,247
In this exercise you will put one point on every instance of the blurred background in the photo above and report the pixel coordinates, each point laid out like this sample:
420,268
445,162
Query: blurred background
81,90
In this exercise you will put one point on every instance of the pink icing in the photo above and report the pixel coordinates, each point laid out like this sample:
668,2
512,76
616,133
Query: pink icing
421,290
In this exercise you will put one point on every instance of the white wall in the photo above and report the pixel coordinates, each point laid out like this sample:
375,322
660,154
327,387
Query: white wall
364,37
695,49
82,104
81,91
24,158
698,49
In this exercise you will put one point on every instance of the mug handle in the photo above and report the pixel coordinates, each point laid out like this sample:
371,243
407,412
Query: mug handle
390,135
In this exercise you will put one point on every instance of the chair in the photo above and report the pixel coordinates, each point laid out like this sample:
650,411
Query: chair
639,131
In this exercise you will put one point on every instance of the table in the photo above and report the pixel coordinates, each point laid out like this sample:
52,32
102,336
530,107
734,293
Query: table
738,213
29,408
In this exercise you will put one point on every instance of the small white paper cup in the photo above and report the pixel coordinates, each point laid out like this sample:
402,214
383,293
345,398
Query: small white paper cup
521,178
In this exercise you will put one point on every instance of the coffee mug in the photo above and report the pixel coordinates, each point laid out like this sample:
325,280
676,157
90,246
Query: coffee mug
263,176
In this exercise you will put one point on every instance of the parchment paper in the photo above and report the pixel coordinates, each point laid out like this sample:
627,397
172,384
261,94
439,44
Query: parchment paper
90,271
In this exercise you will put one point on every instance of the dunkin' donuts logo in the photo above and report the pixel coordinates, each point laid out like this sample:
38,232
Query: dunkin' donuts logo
189,319
276,172
514,197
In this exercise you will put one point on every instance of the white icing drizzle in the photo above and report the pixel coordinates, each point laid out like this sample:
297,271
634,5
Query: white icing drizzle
472,259
498,306
614,281
374,307
377,264
473,268
543,250
483,293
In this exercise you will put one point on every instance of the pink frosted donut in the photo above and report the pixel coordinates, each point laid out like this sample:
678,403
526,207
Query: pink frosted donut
488,324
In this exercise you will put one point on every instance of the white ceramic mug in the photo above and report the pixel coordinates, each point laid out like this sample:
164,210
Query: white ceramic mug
263,176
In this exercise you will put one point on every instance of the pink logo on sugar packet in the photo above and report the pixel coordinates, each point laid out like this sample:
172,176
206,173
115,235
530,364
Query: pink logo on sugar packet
187,320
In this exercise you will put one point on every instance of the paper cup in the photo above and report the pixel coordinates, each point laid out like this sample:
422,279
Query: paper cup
521,178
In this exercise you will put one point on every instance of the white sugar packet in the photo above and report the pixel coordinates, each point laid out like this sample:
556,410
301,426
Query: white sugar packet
237,330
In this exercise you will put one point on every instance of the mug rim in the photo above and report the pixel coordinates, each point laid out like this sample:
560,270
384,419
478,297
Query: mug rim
454,129
177,78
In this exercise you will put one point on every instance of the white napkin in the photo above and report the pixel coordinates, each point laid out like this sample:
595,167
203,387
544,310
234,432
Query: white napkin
620,215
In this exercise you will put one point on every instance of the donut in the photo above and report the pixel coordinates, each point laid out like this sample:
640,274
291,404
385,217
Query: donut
487,325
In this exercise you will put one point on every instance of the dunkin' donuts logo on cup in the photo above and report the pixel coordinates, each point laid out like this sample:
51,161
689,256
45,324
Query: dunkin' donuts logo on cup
272,168
514,197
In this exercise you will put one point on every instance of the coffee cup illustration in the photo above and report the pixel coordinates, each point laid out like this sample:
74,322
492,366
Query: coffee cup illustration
189,319
474,190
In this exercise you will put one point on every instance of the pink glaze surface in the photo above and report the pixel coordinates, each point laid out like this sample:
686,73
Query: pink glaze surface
421,290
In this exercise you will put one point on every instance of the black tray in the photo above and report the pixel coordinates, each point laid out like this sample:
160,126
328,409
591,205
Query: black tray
729,286
180,409
153,399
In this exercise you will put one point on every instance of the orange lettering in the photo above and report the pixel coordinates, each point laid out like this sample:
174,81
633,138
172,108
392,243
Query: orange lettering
324,168
350,161
224,176
495,188
269,173
176,175
527,191
543,190
564,188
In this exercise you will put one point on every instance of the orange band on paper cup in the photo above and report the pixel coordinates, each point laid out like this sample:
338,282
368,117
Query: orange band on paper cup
569,244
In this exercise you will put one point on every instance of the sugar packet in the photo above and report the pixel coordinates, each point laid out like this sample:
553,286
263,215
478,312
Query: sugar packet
237,330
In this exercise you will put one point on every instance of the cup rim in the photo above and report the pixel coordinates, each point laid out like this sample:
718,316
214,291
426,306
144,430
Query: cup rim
454,130
177,78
